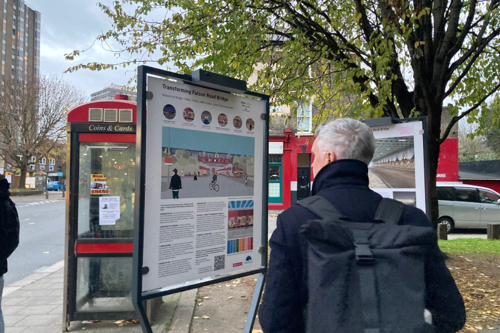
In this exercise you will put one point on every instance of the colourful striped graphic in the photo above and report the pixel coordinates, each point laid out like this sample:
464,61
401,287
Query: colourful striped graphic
239,245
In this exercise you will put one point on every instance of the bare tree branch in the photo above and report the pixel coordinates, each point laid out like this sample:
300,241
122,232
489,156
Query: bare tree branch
33,120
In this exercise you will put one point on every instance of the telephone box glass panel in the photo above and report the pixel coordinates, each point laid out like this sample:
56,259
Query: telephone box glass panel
106,190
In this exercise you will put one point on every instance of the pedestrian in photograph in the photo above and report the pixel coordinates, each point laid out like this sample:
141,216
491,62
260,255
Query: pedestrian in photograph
175,185
9,235
372,264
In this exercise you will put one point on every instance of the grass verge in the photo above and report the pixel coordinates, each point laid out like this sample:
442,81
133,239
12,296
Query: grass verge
470,246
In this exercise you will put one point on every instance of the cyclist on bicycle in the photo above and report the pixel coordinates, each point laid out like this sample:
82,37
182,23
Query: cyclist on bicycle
214,178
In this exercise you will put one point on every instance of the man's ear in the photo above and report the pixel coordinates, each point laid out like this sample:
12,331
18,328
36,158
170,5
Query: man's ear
331,156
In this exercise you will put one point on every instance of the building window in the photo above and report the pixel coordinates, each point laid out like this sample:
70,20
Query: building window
43,161
33,159
304,116
51,168
52,161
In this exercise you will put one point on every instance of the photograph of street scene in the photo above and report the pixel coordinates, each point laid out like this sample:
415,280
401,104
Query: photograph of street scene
198,164
393,164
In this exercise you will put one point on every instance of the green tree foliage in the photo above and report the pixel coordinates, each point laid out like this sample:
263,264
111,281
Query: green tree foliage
389,55
492,132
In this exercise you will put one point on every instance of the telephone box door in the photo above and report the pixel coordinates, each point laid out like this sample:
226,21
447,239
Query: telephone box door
102,239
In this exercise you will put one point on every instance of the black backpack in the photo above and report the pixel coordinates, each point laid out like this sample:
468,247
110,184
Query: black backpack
365,277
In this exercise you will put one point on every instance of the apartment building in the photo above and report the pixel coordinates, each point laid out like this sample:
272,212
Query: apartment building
20,40
111,91
20,44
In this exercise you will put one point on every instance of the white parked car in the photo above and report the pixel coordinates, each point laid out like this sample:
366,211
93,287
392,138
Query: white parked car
467,206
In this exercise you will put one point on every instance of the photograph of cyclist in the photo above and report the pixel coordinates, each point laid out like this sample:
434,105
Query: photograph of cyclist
213,185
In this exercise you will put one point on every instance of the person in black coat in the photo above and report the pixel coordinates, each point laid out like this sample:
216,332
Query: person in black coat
342,151
9,235
175,185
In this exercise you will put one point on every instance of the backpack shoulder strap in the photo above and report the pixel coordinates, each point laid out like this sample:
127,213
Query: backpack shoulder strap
321,207
389,211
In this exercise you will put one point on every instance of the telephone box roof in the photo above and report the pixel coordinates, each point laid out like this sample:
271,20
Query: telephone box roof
81,113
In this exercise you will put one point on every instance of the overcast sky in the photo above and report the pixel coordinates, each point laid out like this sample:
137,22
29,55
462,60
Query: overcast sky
69,25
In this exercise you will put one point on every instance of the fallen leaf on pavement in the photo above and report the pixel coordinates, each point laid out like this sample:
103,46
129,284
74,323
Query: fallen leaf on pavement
206,317
123,322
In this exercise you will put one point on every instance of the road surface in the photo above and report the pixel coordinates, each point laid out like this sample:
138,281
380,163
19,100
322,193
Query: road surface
41,237
395,178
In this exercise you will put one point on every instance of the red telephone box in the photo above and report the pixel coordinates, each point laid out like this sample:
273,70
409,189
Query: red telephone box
100,211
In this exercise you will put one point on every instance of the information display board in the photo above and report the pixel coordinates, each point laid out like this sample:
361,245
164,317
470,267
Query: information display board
202,213
398,169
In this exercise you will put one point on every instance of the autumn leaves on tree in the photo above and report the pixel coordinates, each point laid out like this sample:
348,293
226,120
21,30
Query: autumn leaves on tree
397,58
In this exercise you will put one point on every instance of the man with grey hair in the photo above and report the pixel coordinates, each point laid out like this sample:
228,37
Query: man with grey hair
342,151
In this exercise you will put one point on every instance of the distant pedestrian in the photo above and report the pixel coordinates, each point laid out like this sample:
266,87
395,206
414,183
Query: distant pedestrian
175,185
195,177
9,235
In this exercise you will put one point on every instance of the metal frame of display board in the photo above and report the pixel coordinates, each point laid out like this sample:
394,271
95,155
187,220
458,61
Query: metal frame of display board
390,121
215,82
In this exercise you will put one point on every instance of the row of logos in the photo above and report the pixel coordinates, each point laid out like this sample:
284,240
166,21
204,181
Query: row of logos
188,114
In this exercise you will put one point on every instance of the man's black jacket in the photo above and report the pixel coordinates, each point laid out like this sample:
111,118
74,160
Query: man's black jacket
345,184
175,182
9,229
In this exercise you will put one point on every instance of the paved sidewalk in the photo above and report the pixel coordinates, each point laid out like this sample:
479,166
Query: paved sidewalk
34,305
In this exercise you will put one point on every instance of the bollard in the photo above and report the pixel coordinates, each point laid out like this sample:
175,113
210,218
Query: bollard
46,193
442,232
493,231
63,193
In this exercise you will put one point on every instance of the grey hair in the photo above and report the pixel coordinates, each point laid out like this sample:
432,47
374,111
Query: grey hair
348,139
